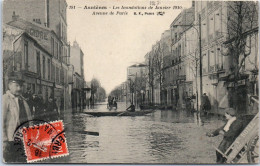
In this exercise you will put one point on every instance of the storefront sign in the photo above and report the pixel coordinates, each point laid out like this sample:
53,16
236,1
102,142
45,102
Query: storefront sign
44,83
38,34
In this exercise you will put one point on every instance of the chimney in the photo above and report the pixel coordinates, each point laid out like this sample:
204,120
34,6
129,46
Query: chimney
15,17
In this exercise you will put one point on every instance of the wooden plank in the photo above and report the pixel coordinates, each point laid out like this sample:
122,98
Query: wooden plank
245,136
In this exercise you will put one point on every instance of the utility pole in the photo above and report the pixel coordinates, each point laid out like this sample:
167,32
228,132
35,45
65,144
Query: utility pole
200,62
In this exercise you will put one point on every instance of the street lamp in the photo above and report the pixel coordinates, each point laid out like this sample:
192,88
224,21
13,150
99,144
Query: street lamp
200,58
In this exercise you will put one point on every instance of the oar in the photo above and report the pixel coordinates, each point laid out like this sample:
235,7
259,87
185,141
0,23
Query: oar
122,113
88,132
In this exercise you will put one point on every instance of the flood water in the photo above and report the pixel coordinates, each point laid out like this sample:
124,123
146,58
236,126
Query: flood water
165,136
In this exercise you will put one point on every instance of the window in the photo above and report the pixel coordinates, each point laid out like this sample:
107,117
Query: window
212,60
49,69
205,62
43,67
60,52
48,13
26,55
219,59
218,22
62,75
65,56
38,62
57,75
56,50
53,72
52,46
211,26
61,28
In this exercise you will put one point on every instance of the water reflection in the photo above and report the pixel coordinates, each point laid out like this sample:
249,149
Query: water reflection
162,137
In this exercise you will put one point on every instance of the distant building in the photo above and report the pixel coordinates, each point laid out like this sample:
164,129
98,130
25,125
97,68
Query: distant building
136,78
77,61
178,27
77,58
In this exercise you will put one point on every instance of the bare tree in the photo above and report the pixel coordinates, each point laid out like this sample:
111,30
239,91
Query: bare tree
150,75
242,22
95,84
158,64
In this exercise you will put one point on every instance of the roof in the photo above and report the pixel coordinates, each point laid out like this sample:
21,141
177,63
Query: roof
39,45
24,33
138,65
23,25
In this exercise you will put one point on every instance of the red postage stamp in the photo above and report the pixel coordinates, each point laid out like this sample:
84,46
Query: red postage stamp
44,141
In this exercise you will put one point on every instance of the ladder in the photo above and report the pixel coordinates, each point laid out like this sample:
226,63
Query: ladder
237,152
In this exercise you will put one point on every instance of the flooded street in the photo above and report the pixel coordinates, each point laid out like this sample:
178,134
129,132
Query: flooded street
164,136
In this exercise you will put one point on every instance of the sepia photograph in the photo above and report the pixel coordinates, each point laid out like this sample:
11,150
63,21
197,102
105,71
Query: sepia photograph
130,82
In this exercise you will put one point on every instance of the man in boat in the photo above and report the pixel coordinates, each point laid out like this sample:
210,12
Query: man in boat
230,132
131,108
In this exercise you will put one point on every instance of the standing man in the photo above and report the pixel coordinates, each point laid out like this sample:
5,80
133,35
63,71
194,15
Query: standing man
28,97
206,106
15,112
230,132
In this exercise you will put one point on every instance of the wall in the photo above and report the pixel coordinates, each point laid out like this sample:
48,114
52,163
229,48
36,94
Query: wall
75,59
26,9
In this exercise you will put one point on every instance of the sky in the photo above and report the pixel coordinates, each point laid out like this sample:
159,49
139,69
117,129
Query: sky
111,43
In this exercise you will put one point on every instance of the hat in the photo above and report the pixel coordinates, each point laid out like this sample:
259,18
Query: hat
231,111
16,77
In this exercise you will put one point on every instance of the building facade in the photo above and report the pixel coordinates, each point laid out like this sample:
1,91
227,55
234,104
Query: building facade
77,61
43,46
219,63
136,83
229,71
181,23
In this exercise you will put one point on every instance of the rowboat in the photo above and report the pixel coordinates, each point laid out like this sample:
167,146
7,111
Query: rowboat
120,113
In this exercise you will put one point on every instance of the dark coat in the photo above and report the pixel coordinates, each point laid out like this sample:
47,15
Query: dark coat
205,103
229,137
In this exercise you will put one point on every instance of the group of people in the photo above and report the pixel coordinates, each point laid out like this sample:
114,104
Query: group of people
40,110
18,109
112,102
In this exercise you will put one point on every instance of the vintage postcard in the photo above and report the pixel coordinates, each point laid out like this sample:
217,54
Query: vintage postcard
130,81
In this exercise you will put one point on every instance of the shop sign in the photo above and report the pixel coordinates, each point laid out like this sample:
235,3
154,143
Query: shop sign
38,34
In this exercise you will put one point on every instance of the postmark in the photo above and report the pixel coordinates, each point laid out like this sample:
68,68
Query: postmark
44,141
